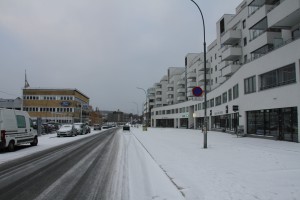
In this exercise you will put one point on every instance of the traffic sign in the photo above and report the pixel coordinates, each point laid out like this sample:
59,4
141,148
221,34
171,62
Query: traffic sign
197,91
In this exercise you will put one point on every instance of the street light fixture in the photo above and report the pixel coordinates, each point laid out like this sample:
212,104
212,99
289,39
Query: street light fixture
205,92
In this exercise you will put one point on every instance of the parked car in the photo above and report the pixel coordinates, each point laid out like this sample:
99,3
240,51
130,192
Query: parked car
106,127
88,129
97,127
16,129
66,130
81,128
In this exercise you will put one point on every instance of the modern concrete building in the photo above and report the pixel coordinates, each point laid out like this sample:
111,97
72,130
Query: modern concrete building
253,75
58,105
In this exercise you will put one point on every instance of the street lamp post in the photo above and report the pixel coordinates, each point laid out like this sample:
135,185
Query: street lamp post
146,103
205,92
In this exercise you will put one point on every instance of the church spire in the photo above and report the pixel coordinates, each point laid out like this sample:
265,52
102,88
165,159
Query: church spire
26,82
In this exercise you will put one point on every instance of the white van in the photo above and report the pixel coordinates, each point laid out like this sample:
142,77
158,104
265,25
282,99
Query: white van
16,128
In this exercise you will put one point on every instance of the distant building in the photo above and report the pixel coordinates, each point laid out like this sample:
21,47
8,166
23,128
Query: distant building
58,105
11,103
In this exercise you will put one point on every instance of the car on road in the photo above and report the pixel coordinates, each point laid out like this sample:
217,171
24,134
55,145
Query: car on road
97,127
66,130
80,128
106,127
16,129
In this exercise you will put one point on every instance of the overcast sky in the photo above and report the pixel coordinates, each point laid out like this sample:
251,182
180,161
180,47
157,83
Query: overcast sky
104,48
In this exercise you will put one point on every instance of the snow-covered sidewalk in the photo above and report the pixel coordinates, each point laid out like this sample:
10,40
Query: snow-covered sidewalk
230,168
171,164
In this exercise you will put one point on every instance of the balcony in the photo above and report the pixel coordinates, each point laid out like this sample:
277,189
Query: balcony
229,69
232,53
170,101
181,82
158,89
258,15
201,68
181,98
231,37
181,90
265,38
170,85
158,102
191,75
285,15
151,103
170,92
201,77
159,95
191,84
151,96
190,94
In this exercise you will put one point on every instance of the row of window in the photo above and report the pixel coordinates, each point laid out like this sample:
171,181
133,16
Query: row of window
38,97
59,110
281,76
210,103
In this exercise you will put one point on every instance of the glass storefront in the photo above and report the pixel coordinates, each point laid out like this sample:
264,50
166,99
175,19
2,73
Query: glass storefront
280,123
165,123
226,122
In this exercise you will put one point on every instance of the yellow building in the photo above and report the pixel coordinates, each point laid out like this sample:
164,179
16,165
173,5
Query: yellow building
57,105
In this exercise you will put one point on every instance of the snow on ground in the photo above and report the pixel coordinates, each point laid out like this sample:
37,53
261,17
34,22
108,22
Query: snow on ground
230,168
45,142
157,163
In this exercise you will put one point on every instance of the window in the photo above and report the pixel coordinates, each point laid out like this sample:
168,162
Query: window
250,85
245,58
216,80
216,68
235,91
212,103
21,121
244,24
224,97
229,95
282,76
222,26
218,100
245,41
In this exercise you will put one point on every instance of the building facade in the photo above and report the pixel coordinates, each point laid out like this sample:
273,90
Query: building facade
56,105
252,74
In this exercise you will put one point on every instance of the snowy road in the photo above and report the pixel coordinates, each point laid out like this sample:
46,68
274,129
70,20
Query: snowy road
76,170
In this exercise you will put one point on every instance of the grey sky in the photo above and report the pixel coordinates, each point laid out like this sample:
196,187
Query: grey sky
104,48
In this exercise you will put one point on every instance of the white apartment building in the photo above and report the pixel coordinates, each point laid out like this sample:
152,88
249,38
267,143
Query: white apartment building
252,76
174,75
